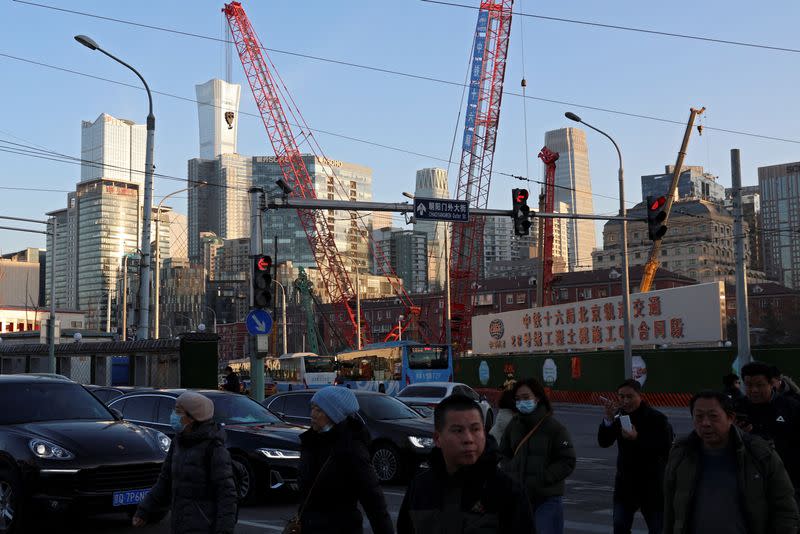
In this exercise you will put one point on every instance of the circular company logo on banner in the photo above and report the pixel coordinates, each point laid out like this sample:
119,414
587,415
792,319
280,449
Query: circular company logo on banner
639,370
549,372
483,372
496,328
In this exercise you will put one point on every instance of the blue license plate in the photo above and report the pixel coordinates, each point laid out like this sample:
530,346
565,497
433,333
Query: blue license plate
127,498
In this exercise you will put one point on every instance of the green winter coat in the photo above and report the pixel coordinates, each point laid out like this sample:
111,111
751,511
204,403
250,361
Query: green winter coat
545,460
766,492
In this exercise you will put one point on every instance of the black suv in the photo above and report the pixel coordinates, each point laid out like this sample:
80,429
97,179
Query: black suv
401,438
268,448
61,448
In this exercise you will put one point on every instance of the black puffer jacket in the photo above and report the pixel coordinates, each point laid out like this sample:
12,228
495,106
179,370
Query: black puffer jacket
203,500
349,478
490,501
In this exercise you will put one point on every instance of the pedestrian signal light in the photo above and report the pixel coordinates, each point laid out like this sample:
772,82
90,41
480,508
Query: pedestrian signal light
520,211
656,215
262,282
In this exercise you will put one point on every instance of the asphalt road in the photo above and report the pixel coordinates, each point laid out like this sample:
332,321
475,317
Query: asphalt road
588,497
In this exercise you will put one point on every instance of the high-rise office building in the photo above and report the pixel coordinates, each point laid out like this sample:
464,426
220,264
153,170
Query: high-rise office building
432,183
115,148
498,240
751,213
404,252
780,213
692,183
218,115
574,188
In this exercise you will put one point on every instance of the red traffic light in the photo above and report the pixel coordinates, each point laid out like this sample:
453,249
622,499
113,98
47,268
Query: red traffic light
522,195
264,263
657,203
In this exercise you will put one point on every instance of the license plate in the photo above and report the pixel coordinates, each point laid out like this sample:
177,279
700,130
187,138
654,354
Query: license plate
127,498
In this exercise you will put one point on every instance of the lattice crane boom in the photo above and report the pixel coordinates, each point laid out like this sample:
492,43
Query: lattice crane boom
545,281
334,275
490,51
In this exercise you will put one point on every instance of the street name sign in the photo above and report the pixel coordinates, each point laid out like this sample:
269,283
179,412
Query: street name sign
441,209
259,322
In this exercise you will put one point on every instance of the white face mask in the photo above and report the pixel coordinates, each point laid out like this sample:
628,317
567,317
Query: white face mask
326,428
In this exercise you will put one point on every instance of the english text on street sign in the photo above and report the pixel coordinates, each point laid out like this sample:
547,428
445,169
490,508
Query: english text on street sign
441,209
259,322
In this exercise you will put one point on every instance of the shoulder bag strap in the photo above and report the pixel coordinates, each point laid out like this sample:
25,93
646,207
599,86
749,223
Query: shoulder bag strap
314,485
529,434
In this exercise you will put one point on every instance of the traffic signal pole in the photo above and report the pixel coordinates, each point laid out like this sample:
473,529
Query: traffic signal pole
256,249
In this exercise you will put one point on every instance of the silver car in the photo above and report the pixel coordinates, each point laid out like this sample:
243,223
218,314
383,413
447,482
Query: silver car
425,396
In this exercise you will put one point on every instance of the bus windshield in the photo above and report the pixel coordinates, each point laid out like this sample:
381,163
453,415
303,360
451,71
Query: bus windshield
428,358
320,364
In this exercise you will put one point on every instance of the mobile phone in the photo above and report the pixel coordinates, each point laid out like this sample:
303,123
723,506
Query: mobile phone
625,421
602,398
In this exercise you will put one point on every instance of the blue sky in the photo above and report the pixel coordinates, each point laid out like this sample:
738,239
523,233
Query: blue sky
746,89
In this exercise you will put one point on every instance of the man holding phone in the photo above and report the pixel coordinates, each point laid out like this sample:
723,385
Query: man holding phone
644,437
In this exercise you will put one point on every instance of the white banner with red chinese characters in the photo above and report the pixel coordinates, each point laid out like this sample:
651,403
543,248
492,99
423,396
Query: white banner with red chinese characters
683,315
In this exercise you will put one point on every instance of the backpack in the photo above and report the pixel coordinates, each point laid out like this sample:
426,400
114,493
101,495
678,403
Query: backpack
240,475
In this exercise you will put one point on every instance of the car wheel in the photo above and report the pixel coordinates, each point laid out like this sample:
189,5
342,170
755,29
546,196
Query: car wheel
247,484
10,501
386,462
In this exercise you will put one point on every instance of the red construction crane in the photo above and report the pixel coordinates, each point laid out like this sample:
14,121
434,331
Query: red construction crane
335,276
545,296
490,50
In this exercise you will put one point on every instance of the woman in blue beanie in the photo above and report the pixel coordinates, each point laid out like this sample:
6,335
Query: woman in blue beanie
335,469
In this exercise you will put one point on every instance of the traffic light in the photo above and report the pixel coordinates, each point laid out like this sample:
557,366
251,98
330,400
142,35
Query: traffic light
262,282
655,217
521,211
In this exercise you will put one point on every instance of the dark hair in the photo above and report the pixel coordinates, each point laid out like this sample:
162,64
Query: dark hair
724,401
758,369
229,369
453,403
728,380
506,400
776,373
538,390
631,383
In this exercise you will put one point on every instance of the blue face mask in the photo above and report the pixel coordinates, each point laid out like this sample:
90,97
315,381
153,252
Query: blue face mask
526,406
175,422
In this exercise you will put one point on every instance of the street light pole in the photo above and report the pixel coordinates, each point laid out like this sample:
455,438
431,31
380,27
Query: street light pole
215,317
400,327
626,297
51,322
144,267
283,314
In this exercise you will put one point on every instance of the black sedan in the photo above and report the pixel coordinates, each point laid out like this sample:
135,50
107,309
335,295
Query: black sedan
108,393
401,438
61,448
268,448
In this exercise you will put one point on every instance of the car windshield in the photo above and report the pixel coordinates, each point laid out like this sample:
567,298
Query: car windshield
240,410
49,401
320,364
385,408
424,391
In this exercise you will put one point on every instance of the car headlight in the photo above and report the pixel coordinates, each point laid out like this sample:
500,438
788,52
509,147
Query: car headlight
421,443
49,451
163,441
280,454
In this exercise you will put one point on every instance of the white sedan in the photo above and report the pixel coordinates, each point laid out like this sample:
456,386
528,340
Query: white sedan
425,396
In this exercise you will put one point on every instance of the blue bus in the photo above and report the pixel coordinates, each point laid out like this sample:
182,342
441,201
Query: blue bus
301,370
391,366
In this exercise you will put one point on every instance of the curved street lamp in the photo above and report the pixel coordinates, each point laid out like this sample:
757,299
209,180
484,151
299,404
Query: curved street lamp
144,267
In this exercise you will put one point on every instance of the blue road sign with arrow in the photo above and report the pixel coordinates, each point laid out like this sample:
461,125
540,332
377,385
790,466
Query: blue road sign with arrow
259,322
441,209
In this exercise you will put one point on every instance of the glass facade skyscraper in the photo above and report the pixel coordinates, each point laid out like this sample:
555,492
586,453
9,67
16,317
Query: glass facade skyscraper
115,148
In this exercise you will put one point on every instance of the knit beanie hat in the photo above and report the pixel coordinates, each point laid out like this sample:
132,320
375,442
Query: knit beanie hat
197,406
336,401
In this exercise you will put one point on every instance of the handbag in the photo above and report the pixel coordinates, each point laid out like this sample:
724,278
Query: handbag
294,525
529,434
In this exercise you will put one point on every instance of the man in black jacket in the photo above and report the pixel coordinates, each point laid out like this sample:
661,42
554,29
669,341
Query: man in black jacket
463,491
642,457
771,416
232,382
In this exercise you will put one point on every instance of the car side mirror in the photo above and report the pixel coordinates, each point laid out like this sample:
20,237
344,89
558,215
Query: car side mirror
482,397
116,413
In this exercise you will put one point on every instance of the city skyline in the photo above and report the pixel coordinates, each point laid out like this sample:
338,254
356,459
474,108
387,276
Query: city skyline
181,63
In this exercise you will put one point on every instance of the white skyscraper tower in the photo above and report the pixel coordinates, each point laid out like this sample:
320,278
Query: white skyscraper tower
116,148
432,183
574,188
218,114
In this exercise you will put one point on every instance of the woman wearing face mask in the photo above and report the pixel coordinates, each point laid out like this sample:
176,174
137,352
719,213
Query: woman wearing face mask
538,451
196,480
335,469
